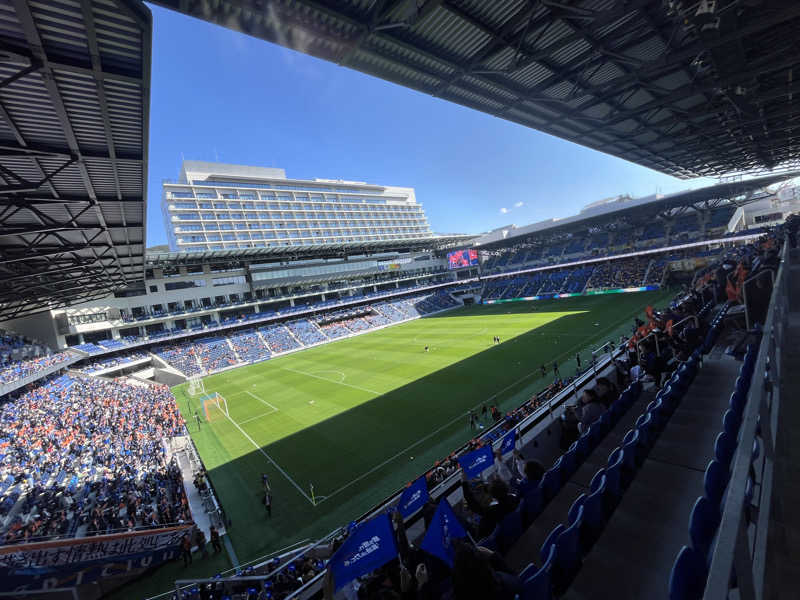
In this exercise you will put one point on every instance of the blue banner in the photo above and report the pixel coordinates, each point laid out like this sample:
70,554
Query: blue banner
476,462
444,528
509,442
370,546
413,498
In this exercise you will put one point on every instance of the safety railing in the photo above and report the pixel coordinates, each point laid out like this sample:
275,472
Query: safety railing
741,543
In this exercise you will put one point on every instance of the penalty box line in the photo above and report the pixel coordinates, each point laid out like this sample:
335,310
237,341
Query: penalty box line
321,499
272,409
271,460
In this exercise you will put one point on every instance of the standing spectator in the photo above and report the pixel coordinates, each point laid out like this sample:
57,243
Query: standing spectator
268,502
215,543
186,550
200,540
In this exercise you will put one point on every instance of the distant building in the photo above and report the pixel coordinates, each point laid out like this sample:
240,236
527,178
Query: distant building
222,207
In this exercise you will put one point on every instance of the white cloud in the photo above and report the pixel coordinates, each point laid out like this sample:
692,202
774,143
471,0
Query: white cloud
503,210
518,204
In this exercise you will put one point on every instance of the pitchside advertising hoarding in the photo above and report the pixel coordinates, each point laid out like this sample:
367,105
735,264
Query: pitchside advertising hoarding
73,562
643,288
462,258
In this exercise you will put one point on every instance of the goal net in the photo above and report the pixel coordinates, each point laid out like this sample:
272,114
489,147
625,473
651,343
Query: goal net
195,385
215,407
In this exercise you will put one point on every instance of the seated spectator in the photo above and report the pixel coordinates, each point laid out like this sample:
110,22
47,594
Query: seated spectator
606,391
590,410
479,573
500,502
533,471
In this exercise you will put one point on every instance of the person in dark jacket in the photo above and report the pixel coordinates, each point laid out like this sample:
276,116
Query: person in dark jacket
501,503
479,573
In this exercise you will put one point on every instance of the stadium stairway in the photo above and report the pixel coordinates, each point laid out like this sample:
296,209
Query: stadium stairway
783,539
634,555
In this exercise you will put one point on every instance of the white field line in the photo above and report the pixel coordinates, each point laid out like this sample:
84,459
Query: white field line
270,459
271,412
355,387
274,408
449,423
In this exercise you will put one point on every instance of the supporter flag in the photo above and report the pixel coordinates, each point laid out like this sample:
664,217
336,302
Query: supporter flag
370,546
444,528
509,442
476,462
413,498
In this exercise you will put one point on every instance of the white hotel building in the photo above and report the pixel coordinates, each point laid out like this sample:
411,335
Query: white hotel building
223,207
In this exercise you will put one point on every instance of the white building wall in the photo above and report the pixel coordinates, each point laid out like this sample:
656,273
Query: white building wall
220,207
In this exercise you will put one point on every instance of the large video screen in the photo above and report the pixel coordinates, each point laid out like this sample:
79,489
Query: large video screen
462,258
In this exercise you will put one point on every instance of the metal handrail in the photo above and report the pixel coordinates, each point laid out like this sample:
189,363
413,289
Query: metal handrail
643,340
733,548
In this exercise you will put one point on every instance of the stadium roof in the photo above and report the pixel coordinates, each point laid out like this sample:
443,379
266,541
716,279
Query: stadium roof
686,88
283,253
74,101
738,191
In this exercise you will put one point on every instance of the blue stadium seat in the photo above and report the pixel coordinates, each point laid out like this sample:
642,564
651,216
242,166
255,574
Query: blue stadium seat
509,530
550,542
584,445
631,450
730,423
703,523
687,580
606,422
613,474
532,505
596,433
569,462
714,481
644,425
568,551
538,585
724,447
616,411
737,403
594,516
490,541
551,481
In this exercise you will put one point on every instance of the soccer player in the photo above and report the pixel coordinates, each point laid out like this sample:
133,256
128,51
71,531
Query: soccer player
544,371
426,348
555,370
197,420
578,359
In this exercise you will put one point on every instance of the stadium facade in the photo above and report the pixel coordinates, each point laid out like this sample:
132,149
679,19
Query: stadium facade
216,206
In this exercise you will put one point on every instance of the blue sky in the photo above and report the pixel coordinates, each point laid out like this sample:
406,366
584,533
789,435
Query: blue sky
220,95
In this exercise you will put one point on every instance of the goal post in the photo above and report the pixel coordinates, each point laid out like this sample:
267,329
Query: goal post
195,385
215,407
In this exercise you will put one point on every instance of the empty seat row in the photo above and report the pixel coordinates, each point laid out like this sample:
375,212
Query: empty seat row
690,570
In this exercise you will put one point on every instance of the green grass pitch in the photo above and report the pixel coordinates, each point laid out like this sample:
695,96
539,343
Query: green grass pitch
360,417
